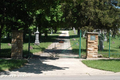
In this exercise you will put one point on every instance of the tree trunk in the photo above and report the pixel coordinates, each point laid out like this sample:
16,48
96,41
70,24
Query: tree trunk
55,30
24,34
40,36
114,34
46,34
8,36
2,25
0,41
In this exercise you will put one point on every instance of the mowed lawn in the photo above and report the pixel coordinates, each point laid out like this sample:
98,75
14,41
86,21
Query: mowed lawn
8,64
108,65
114,46
44,43
74,41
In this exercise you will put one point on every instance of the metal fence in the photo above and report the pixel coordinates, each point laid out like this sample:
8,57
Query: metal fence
111,46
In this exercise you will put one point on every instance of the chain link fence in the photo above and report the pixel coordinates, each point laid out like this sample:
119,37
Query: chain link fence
109,46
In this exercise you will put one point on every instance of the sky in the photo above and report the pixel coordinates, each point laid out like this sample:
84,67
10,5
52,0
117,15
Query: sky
114,1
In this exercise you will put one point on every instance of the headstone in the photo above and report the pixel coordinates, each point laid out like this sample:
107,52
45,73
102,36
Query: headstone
37,37
105,38
74,30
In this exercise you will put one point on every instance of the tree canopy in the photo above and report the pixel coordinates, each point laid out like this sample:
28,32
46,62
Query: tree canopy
93,14
88,14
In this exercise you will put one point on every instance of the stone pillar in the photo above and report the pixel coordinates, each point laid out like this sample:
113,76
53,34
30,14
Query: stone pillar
37,37
17,45
92,45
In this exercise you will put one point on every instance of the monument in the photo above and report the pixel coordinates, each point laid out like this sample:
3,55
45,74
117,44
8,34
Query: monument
37,37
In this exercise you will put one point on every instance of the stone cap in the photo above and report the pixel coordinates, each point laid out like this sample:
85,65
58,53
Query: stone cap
92,33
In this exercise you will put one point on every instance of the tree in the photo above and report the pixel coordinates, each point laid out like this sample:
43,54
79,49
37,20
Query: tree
96,14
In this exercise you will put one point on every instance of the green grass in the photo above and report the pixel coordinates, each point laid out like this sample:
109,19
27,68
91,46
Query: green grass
114,48
6,50
75,43
108,65
11,64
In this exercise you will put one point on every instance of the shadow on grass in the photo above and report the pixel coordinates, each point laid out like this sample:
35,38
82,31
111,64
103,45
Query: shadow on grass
6,40
107,50
69,37
42,39
40,48
110,60
76,51
6,53
36,65
73,36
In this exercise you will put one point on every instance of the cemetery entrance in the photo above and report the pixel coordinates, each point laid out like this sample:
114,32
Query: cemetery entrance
62,48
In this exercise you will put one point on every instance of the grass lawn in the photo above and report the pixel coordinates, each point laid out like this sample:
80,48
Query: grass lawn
11,64
74,41
108,65
114,48
6,50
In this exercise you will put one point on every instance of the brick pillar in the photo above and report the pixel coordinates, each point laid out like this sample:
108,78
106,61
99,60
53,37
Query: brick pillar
92,45
17,45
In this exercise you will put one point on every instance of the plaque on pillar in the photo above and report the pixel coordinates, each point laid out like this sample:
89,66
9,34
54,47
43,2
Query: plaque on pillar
92,45
37,37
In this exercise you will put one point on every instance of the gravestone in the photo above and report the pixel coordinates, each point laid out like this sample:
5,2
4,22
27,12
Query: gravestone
74,30
92,45
37,37
105,38
17,45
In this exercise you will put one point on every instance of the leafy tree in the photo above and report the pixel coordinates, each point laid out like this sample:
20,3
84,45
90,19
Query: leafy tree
95,14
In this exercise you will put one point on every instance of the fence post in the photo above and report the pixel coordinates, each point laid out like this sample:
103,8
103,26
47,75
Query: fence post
109,43
80,45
